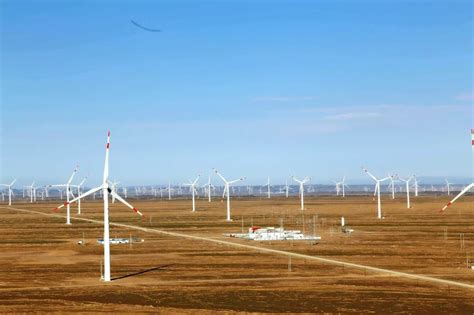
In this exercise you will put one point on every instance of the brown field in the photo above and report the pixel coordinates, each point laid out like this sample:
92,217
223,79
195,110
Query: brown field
43,270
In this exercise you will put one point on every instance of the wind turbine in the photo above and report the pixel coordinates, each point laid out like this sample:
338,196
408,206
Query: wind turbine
124,191
208,186
344,186
341,186
10,191
46,191
227,191
287,189
79,193
448,186
192,187
68,193
268,188
106,190
302,182
338,189
377,191
407,187
32,192
113,186
392,184
466,189
415,185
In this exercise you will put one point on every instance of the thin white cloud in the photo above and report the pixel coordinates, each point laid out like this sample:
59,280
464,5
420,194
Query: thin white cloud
353,116
284,98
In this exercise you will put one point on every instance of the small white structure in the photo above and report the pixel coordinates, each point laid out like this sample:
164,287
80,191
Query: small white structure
344,228
258,233
116,241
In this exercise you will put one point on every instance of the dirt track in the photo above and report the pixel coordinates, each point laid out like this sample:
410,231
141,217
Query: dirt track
273,251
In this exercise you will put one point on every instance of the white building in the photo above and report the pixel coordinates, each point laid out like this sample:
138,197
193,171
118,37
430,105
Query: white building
116,241
258,233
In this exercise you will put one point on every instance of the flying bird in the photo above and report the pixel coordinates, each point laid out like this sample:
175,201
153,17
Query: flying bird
144,28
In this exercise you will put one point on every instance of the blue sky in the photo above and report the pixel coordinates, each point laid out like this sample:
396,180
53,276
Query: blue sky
253,88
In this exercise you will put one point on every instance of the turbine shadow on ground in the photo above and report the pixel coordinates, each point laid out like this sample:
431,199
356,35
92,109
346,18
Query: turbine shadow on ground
140,272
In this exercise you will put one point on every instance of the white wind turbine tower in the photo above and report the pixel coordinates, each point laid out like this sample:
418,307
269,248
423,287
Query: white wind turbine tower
46,191
392,184
302,182
169,190
113,186
407,187
208,186
415,185
227,191
106,190
341,186
32,192
124,191
466,189
79,193
192,187
377,191
10,191
268,188
344,186
338,189
448,186
287,189
68,194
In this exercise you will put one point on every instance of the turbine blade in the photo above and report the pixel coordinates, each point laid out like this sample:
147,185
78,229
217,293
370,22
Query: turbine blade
225,190
73,173
114,194
296,179
368,173
82,182
237,180
106,164
459,195
218,174
93,190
